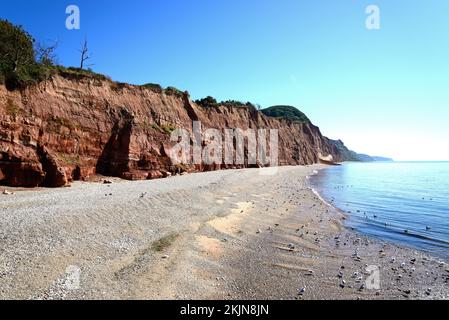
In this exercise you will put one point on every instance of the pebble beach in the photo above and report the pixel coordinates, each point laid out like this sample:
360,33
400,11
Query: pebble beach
233,234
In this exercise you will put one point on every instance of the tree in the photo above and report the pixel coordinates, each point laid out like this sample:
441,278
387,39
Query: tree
17,57
45,54
85,54
207,102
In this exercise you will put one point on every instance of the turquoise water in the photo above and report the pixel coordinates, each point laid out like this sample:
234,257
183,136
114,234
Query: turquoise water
402,202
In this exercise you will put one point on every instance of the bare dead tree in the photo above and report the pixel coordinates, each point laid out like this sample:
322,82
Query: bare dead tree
85,54
45,54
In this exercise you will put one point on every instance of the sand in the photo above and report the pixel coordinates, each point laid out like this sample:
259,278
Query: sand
234,234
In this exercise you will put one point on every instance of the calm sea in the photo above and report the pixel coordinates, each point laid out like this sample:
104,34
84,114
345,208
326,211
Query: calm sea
402,202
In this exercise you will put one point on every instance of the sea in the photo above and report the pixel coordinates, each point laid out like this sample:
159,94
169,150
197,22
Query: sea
406,203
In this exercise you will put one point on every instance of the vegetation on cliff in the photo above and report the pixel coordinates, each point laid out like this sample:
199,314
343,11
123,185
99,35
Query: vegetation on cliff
18,65
211,102
286,112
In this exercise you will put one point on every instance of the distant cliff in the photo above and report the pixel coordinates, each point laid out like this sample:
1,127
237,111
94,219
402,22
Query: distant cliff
350,155
76,125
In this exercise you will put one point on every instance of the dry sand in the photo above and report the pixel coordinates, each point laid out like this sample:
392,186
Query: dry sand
216,235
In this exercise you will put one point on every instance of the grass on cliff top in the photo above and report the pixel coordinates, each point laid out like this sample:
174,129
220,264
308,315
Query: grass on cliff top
286,112
174,91
77,73
211,102
153,87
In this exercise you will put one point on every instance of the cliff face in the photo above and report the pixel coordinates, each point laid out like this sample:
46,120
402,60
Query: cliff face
70,129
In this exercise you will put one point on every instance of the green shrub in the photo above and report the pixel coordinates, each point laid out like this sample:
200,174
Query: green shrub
208,102
154,126
18,65
286,112
168,128
153,87
174,91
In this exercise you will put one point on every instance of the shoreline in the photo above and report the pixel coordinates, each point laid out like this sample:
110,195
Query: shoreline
347,215
232,234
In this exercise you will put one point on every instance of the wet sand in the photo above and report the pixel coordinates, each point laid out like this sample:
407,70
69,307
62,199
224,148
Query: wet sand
217,235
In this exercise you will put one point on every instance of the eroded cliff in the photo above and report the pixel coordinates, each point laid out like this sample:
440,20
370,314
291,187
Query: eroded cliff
70,128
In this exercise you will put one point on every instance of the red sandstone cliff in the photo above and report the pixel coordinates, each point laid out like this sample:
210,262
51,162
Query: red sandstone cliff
69,129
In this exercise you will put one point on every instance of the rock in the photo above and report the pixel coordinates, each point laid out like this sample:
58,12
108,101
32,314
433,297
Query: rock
55,175
301,291
258,231
6,192
107,181
117,132
165,257
155,174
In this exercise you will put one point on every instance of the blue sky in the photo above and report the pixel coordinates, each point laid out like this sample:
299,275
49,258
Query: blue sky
383,92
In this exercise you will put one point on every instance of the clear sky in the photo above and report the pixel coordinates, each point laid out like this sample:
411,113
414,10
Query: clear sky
383,92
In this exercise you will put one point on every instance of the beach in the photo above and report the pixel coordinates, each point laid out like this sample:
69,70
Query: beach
231,234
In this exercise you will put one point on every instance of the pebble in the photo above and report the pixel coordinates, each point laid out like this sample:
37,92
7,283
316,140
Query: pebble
301,291
258,231
6,192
